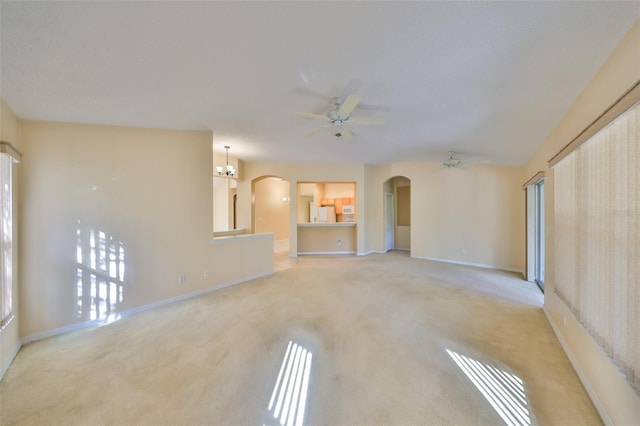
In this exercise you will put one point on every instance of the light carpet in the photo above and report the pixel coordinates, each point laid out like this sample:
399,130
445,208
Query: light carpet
383,331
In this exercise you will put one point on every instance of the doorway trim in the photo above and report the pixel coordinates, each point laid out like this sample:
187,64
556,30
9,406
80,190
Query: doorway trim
389,222
401,203
536,229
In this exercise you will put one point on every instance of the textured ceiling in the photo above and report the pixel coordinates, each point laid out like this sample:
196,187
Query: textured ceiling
487,79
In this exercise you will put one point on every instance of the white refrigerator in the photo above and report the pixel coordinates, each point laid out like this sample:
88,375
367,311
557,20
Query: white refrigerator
325,214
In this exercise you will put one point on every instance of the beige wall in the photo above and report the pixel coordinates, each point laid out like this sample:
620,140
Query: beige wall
294,173
403,205
327,239
9,336
339,190
150,189
371,210
614,398
271,212
306,189
479,209
8,124
221,204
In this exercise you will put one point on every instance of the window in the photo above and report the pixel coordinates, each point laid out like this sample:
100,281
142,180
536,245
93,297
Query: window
597,238
7,156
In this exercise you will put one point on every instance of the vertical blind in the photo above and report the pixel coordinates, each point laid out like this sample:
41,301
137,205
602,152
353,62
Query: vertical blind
597,239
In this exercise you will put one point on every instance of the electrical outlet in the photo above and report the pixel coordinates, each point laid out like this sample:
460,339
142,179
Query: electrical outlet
205,274
339,243
182,279
464,252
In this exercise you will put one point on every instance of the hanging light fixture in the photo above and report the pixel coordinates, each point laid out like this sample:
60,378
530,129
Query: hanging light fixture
228,170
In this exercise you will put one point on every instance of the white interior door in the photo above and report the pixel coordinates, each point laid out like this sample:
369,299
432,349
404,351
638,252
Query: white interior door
388,222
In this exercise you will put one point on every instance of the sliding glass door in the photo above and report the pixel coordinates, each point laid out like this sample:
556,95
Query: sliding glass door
539,229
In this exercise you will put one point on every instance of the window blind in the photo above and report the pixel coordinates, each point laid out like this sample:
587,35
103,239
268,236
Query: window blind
597,238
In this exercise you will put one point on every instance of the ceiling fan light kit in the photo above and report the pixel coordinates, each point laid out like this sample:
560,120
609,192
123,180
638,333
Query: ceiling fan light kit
452,161
340,116
345,134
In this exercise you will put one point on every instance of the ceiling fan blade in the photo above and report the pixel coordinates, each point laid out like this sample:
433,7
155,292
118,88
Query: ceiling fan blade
346,134
347,106
310,115
367,120
316,131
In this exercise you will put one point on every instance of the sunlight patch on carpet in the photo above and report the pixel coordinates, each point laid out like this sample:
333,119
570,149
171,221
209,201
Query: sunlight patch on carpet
504,391
289,398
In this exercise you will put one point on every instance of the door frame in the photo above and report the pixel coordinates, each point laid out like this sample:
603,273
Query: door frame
536,230
389,210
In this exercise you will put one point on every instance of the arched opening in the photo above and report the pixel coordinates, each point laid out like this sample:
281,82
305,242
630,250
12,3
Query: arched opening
397,213
270,211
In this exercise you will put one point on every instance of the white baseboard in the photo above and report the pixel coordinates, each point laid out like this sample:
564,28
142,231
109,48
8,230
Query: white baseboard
305,253
367,253
576,367
477,265
71,327
97,323
10,358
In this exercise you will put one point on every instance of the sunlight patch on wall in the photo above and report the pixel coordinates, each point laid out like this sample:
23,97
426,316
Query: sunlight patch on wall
504,391
100,272
289,398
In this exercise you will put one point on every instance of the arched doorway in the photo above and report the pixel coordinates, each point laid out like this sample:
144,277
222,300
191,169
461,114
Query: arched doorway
397,213
271,210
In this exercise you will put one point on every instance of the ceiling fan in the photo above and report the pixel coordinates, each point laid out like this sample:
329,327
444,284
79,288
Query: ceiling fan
452,161
340,116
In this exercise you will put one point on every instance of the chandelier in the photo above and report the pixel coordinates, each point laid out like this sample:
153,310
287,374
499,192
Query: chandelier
228,170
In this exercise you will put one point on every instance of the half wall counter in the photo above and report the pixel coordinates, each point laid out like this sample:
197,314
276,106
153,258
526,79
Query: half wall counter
327,238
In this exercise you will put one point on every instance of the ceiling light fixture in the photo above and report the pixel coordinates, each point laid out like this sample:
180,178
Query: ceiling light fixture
228,170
